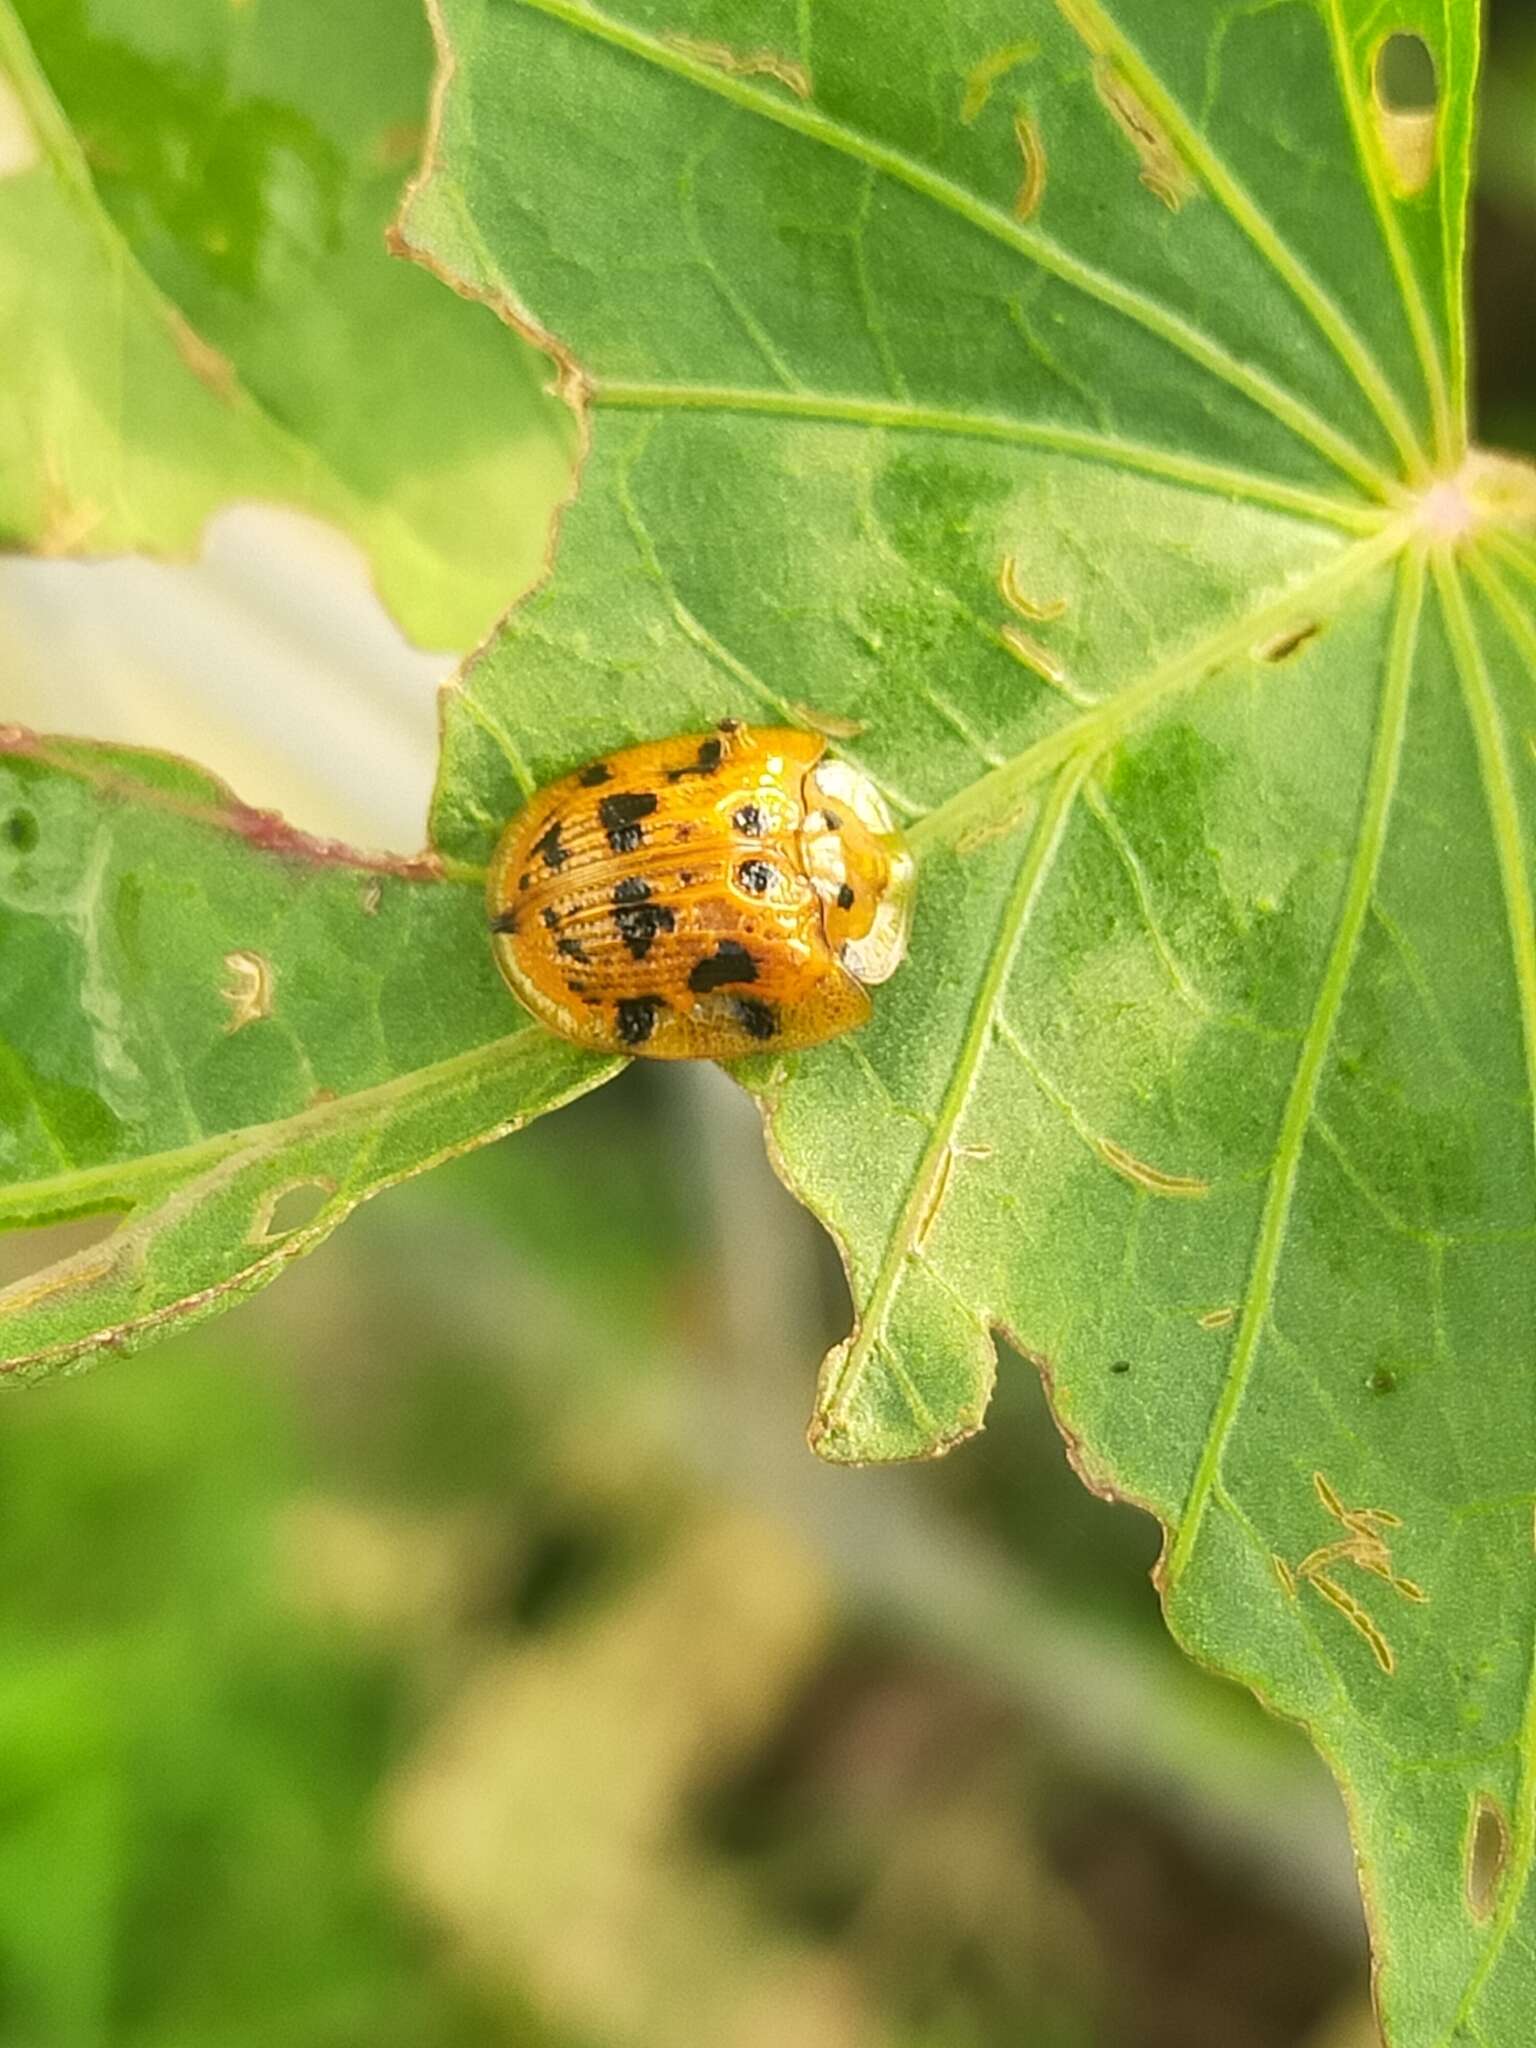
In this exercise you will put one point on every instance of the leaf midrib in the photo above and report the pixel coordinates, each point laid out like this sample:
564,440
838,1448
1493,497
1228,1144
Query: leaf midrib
124,1183
989,796
902,1243
1219,479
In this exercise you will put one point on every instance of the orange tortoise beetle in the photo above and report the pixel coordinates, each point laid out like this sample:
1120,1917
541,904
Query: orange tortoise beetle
703,897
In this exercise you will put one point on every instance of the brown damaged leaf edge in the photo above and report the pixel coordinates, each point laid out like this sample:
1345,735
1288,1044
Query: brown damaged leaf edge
267,831
572,386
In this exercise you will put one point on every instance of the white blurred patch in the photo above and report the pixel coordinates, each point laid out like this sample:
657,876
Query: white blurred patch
19,150
270,661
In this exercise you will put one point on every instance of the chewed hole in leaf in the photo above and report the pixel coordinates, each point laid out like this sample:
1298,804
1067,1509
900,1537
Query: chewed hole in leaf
1487,1856
1163,171
248,991
1407,100
20,830
1287,643
286,1210
35,1255
1405,75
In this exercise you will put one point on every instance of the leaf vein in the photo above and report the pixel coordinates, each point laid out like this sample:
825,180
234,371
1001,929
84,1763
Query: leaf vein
1299,1106
840,409
902,1243
1171,328
1092,21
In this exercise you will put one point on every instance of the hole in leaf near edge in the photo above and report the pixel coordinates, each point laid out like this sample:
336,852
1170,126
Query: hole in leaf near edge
1487,1856
30,1250
290,1209
1405,76
1406,92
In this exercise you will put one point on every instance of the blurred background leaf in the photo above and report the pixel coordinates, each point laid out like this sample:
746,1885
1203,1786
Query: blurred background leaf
200,305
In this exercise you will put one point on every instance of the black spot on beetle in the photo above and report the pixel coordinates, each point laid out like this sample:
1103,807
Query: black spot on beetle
639,928
551,918
755,876
525,881
549,849
750,820
504,921
757,1019
573,949
598,773
730,962
637,1018
705,762
638,919
833,821
845,896
621,817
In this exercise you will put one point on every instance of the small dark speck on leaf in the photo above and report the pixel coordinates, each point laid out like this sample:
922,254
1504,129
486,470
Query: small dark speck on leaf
22,831
1121,1365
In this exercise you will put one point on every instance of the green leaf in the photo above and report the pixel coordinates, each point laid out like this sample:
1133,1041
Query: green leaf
225,1036
1069,404
198,304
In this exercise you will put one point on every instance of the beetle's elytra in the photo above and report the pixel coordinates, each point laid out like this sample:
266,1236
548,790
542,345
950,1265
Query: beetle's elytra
702,897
